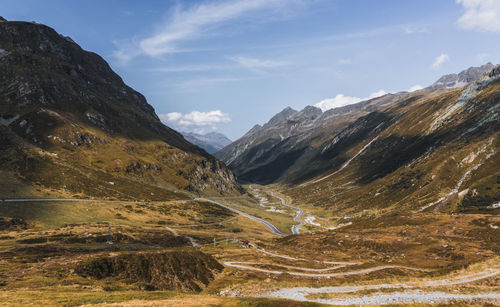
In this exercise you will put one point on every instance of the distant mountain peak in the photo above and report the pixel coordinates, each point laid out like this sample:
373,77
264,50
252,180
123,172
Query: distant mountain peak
463,78
282,116
308,113
211,142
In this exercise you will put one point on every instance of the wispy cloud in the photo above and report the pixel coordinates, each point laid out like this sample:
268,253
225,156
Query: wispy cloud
414,29
189,68
440,60
480,15
341,100
188,24
254,63
194,84
195,120
416,87
345,61
482,56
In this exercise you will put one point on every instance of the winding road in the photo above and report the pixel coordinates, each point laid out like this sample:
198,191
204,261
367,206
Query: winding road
295,228
409,292
266,223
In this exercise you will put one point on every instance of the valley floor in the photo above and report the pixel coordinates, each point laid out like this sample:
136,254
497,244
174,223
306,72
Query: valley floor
415,259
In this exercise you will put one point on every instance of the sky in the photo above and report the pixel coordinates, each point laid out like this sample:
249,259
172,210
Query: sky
225,66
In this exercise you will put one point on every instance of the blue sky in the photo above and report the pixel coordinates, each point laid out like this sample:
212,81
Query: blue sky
228,65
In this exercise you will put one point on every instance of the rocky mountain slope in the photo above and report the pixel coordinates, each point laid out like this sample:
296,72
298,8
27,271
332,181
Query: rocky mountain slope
461,79
267,153
278,150
212,142
69,125
431,149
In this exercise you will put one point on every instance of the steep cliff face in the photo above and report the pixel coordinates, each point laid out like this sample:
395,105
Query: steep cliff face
70,123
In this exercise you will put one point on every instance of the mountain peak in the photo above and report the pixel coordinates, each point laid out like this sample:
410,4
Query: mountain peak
60,98
282,116
211,142
308,113
463,78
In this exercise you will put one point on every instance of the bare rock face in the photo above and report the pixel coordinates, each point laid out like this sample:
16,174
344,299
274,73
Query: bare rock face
463,78
64,106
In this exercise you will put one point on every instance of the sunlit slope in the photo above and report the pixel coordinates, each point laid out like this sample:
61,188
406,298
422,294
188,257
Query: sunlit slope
431,150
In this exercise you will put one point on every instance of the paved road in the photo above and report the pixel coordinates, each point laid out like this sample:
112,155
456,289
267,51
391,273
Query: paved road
269,225
295,228
47,199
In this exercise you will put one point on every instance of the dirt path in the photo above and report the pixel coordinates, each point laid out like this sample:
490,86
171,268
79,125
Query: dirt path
248,266
414,296
176,234
411,293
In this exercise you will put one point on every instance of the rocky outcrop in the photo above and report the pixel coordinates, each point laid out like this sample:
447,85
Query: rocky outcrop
461,79
174,270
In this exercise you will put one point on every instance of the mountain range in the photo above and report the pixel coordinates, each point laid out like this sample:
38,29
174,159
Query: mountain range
434,146
212,142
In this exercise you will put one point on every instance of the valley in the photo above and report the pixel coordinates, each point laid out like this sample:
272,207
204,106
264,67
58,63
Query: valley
391,200
406,257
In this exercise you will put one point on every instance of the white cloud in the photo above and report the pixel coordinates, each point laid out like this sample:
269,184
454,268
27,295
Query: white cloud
252,63
195,84
482,56
340,100
345,61
440,60
195,120
376,94
416,87
188,24
415,29
480,15
188,68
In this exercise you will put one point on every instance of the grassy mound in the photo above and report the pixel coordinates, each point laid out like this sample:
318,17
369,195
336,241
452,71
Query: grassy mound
172,270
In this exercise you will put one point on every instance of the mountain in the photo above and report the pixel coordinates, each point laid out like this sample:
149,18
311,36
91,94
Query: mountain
267,153
212,142
433,150
435,147
277,150
461,79
71,126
